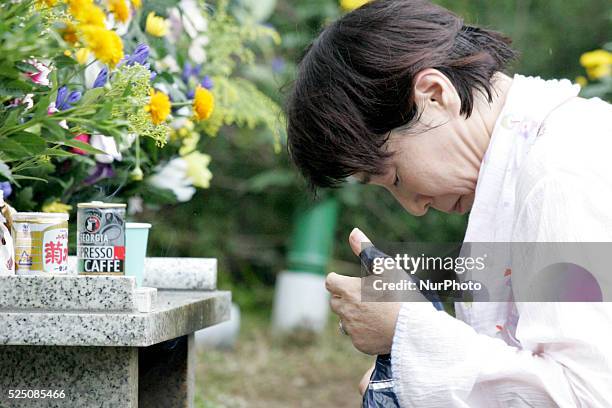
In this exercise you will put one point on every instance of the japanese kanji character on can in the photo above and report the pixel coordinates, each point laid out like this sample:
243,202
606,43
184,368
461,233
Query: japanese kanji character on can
41,243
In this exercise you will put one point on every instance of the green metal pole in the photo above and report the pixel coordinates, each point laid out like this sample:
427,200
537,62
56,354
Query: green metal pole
313,236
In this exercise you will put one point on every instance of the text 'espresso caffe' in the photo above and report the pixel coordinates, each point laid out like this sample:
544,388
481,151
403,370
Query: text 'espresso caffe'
101,238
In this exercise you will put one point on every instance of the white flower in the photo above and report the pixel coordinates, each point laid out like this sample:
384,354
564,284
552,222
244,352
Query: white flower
193,19
168,63
135,205
106,144
197,53
127,141
173,176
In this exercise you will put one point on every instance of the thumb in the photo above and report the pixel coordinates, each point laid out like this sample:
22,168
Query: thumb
358,241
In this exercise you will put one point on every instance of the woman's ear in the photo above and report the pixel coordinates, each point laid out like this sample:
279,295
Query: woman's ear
432,89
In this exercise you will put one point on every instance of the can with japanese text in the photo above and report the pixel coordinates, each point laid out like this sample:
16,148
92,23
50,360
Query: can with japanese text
41,243
101,238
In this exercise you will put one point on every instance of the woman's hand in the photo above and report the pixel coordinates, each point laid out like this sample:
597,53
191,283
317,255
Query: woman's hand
371,325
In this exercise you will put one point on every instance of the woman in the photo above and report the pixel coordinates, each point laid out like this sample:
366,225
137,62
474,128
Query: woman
402,94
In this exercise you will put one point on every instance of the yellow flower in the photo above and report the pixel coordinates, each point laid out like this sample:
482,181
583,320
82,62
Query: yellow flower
86,12
349,5
48,3
69,33
156,26
158,107
203,103
68,53
105,44
189,144
136,4
581,80
56,207
598,63
120,9
197,169
82,55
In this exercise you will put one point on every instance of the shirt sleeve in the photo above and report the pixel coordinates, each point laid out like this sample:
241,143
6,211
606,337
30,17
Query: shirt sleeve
565,358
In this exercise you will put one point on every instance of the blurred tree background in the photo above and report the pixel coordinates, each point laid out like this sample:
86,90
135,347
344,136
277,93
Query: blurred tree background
245,218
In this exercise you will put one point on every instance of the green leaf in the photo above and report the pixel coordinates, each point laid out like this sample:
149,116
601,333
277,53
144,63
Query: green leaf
56,132
24,199
80,145
57,152
14,88
91,96
62,61
22,177
25,67
34,144
13,150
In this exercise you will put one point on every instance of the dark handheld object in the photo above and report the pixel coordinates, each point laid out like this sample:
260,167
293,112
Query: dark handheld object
379,393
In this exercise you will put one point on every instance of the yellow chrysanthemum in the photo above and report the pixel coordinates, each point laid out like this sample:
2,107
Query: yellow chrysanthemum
203,103
48,3
86,12
120,9
56,207
598,63
136,4
197,169
159,106
69,33
349,5
82,55
105,44
155,25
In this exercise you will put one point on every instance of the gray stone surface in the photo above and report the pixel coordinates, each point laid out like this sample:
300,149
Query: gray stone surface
105,377
175,314
167,374
67,292
181,273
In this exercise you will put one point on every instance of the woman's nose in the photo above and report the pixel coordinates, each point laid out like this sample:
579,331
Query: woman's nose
418,204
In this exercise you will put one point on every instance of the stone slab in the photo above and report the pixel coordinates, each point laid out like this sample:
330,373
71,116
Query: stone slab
67,292
181,273
167,374
175,314
105,377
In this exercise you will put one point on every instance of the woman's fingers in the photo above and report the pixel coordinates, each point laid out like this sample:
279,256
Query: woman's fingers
356,239
338,285
363,384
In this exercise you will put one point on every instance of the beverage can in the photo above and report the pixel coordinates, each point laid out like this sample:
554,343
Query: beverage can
101,238
41,243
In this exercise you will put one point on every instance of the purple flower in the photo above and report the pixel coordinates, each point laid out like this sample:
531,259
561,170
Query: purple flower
153,75
139,56
101,79
190,94
190,70
101,171
207,82
65,100
5,186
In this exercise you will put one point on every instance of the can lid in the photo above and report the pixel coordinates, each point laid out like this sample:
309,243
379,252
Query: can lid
34,216
101,204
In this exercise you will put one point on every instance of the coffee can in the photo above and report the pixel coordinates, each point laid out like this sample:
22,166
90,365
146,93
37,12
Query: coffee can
101,238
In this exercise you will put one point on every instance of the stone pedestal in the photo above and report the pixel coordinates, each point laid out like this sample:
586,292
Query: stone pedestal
76,341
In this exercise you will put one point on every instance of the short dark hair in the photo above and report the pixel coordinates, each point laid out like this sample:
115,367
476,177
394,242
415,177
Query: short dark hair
354,83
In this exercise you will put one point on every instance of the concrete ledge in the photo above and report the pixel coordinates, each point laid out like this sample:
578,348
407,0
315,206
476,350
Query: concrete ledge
67,292
181,273
175,314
